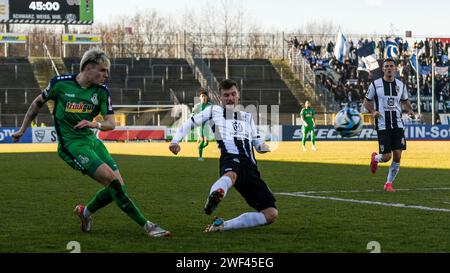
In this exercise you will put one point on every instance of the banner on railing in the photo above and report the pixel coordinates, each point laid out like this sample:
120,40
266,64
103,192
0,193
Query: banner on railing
79,39
44,135
412,132
7,132
445,119
133,133
13,38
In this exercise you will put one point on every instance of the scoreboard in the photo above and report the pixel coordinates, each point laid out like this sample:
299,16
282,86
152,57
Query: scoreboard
73,12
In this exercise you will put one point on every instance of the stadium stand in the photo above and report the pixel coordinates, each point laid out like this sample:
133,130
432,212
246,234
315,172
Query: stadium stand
348,81
260,84
18,88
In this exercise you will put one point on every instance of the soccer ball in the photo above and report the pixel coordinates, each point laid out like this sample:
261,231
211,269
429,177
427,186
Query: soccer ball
348,122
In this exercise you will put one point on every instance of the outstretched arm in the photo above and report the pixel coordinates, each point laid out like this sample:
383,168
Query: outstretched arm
190,124
31,114
258,142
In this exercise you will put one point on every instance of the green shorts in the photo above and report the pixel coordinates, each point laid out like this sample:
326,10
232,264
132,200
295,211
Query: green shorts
86,155
306,129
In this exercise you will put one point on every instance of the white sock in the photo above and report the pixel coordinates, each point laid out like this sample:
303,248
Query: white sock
223,183
379,158
393,171
246,220
86,212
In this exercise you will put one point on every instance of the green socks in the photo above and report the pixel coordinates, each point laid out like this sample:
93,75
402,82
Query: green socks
119,193
100,200
202,146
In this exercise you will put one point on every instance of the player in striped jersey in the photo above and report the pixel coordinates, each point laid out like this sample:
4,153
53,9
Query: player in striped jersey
389,95
236,135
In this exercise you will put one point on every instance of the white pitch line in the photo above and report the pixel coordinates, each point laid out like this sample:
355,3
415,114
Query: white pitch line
398,205
368,191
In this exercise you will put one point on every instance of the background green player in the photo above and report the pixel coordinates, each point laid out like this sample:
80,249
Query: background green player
78,100
308,122
202,131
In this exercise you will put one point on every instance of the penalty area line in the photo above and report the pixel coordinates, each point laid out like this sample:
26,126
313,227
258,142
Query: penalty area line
369,191
397,205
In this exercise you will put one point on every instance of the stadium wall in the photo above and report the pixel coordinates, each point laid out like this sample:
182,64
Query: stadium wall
283,133
412,132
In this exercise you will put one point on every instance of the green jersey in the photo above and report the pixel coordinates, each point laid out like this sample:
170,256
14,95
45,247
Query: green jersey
200,107
202,130
308,115
73,104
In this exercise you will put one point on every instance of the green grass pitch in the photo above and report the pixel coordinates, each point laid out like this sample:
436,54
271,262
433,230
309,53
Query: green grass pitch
39,192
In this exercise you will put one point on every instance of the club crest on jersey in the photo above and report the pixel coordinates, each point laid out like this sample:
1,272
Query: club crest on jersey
73,107
397,88
382,148
237,127
83,159
94,99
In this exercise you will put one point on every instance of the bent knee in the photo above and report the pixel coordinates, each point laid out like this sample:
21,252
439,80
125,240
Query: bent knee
271,215
105,175
232,175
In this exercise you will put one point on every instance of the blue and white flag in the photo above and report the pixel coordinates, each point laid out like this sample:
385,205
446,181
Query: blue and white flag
391,50
371,62
342,48
413,60
361,65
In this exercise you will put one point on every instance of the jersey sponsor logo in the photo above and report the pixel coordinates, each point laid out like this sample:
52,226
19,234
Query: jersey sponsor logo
73,107
70,95
391,102
236,160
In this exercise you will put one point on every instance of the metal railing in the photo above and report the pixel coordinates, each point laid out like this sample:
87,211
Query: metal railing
47,52
203,74
15,120
173,97
307,78
15,66
145,79
25,91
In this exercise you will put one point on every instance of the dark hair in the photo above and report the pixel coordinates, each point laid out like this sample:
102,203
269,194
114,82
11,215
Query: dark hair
202,91
389,60
227,84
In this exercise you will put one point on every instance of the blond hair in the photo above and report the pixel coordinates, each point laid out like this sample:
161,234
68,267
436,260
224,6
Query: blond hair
95,56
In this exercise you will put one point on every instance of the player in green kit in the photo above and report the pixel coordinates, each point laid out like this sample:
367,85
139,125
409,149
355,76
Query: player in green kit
203,131
78,99
308,122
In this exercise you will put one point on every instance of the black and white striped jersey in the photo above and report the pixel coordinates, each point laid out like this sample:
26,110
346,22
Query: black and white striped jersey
387,97
235,131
